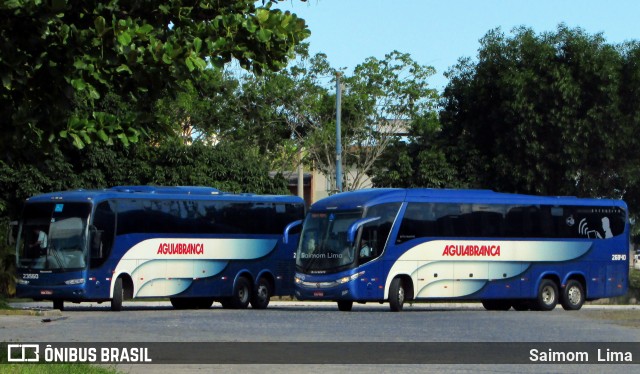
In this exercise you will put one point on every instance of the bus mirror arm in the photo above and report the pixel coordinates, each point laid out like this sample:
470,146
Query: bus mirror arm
353,229
290,226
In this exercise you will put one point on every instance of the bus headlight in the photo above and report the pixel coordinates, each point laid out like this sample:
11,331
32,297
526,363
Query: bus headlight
297,280
349,279
74,281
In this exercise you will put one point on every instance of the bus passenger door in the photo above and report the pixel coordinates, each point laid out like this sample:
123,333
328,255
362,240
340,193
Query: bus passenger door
370,284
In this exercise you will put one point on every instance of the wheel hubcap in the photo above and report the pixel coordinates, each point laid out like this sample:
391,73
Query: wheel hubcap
548,296
262,292
401,295
242,294
574,295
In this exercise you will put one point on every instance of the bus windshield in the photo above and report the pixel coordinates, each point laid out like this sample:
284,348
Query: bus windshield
52,236
323,245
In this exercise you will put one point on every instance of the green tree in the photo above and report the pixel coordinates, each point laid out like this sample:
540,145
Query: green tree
379,100
417,161
552,113
60,59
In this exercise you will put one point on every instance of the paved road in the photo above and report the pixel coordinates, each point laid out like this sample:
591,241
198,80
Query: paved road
320,322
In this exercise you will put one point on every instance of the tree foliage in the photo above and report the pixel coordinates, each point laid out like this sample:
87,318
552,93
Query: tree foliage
60,59
379,99
171,163
419,160
554,114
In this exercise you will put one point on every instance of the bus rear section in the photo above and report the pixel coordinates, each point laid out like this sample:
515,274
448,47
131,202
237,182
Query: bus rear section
525,252
192,245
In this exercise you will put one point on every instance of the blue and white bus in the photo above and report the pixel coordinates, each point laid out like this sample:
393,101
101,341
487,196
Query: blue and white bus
194,245
506,250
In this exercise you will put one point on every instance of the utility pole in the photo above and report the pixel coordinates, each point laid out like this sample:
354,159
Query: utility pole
338,134
300,173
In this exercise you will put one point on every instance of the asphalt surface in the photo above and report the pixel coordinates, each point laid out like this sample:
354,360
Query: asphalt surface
294,321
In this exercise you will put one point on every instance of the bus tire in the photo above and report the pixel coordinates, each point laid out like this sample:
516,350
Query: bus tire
241,294
572,295
118,295
547,295
204,302
501,305
261,294
58,304
396,295
345,305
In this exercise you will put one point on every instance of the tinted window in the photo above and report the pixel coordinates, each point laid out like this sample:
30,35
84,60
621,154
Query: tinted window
205,217
101,232
374,235
510,221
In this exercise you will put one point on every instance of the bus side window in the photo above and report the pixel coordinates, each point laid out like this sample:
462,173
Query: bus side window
101,233
375,235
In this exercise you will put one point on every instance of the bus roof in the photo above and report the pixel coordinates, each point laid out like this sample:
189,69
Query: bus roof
359,199
159,192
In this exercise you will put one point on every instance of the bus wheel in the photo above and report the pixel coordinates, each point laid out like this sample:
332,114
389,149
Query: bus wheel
496,304
547,295
204,303
118,295
345,306
58,304
396,295
261,294
241,294
573,295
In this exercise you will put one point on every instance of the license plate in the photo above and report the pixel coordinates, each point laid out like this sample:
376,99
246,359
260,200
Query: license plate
318,293
46,292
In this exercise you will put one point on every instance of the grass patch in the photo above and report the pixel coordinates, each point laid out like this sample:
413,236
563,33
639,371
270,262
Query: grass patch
55,369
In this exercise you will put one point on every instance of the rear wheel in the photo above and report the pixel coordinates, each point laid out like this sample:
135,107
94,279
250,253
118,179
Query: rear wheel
241,294
573,295
261,294
396,295
547,295
118,295
345,306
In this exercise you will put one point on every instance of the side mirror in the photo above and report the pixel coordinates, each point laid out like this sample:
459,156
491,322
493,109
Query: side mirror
290,226
353,229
